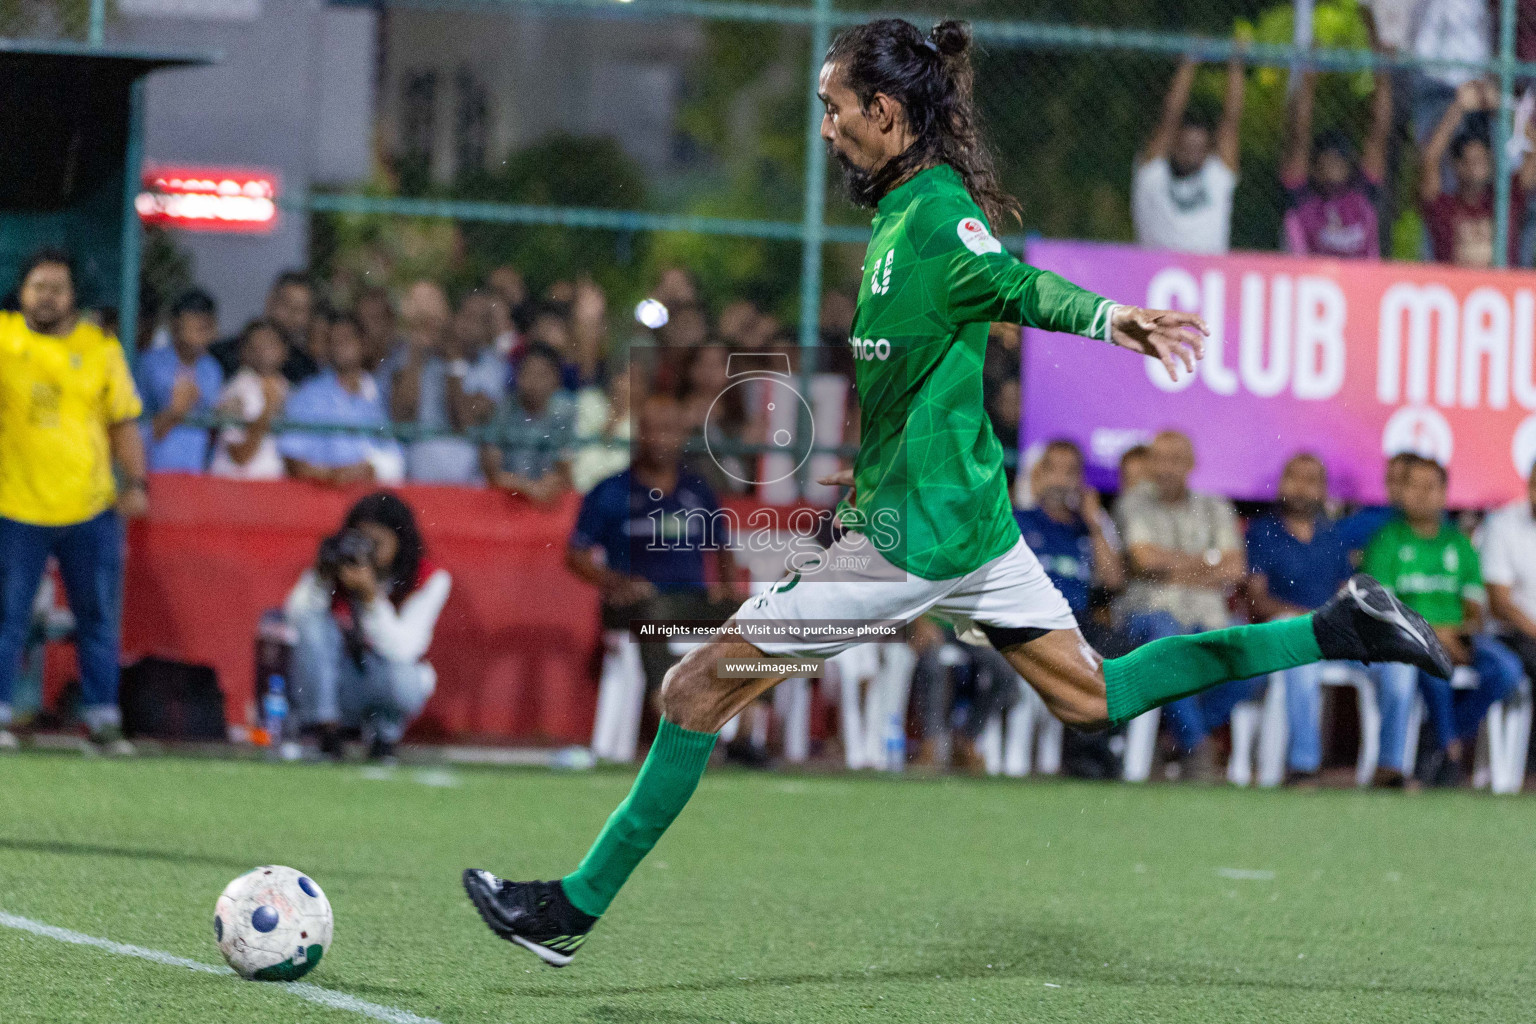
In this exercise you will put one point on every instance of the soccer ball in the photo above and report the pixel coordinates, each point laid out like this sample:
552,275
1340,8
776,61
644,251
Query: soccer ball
272,924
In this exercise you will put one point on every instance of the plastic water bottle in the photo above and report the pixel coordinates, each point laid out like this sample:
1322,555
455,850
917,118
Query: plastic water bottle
896,744
572,759
274,715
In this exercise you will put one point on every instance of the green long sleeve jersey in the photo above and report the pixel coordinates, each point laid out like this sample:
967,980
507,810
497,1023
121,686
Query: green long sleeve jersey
930,488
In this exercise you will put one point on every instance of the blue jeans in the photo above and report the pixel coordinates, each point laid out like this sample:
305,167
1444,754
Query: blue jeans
1192,718
1395,686
1456,714
329,687
90,558
1303,714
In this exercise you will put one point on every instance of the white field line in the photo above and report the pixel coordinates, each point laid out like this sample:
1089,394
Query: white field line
1246,874
310,993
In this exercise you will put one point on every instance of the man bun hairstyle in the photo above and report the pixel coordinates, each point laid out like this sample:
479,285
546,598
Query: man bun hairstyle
931,77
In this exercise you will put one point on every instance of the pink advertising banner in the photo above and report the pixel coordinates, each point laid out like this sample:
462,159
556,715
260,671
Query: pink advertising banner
1351,360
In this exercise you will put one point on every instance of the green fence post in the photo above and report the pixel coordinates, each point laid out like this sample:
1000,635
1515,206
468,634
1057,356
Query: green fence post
1501,138
815,185
98,25
812,228
133,232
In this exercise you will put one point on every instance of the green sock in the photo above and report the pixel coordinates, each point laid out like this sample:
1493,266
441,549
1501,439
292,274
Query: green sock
667,779
1165,670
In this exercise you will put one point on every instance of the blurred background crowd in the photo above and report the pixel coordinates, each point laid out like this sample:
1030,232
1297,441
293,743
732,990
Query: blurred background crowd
592,369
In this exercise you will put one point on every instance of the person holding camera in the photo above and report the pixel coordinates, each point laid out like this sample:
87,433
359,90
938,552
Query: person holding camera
364,613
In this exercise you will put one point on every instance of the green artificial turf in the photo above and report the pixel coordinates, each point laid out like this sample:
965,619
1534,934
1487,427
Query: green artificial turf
780,898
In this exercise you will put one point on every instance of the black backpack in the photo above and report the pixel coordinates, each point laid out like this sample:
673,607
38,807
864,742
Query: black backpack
171,700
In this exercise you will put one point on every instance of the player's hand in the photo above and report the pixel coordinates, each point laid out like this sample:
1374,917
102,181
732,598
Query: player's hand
842,478
1169,336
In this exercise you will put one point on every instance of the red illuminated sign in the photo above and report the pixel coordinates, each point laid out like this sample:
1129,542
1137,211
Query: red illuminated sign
209,199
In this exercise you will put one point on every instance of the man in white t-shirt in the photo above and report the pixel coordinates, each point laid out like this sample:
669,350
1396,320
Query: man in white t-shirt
1509,573
1181,194
255,396
1445,30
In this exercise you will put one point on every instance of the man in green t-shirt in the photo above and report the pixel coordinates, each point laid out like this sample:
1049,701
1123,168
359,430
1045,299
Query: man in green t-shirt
928,528
1433,568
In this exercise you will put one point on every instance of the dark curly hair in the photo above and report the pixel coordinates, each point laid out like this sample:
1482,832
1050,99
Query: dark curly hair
931,78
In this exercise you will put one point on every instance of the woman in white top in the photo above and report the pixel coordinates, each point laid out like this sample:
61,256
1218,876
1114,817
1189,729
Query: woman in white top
364,614
255,396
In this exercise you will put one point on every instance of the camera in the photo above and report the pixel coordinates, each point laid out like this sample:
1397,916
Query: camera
349,547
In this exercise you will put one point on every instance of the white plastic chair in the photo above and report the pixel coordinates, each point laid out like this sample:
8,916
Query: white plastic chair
1263,728
1140,744
1272,728
1264,721
1274,733
874,734
620,698
792,706
1028,732
1501,768
1509,741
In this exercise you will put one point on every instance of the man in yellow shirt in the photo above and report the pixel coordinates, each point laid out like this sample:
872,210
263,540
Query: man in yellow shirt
67,412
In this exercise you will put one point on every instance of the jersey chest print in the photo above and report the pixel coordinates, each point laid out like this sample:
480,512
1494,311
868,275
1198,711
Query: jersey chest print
880,276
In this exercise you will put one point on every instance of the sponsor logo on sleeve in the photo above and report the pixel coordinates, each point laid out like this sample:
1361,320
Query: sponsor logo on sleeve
975,236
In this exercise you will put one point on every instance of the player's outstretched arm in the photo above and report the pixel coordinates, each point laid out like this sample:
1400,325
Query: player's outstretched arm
1169,336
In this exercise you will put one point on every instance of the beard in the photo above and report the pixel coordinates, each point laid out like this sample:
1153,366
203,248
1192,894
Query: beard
48,318
858,184
867,188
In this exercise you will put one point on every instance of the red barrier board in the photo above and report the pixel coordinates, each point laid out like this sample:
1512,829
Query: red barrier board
514,648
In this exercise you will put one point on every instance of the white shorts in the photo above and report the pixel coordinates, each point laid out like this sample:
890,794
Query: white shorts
854,584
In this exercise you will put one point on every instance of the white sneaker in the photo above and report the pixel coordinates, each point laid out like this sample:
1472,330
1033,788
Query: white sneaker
109,741
8,741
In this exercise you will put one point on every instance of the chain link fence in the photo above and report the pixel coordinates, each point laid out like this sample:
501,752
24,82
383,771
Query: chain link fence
676,131
615,139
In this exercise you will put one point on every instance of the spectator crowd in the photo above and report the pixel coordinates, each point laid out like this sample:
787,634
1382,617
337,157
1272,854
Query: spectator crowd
514,393
343,386
501,390
1433,125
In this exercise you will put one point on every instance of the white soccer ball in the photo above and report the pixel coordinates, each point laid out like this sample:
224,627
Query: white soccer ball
272,924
